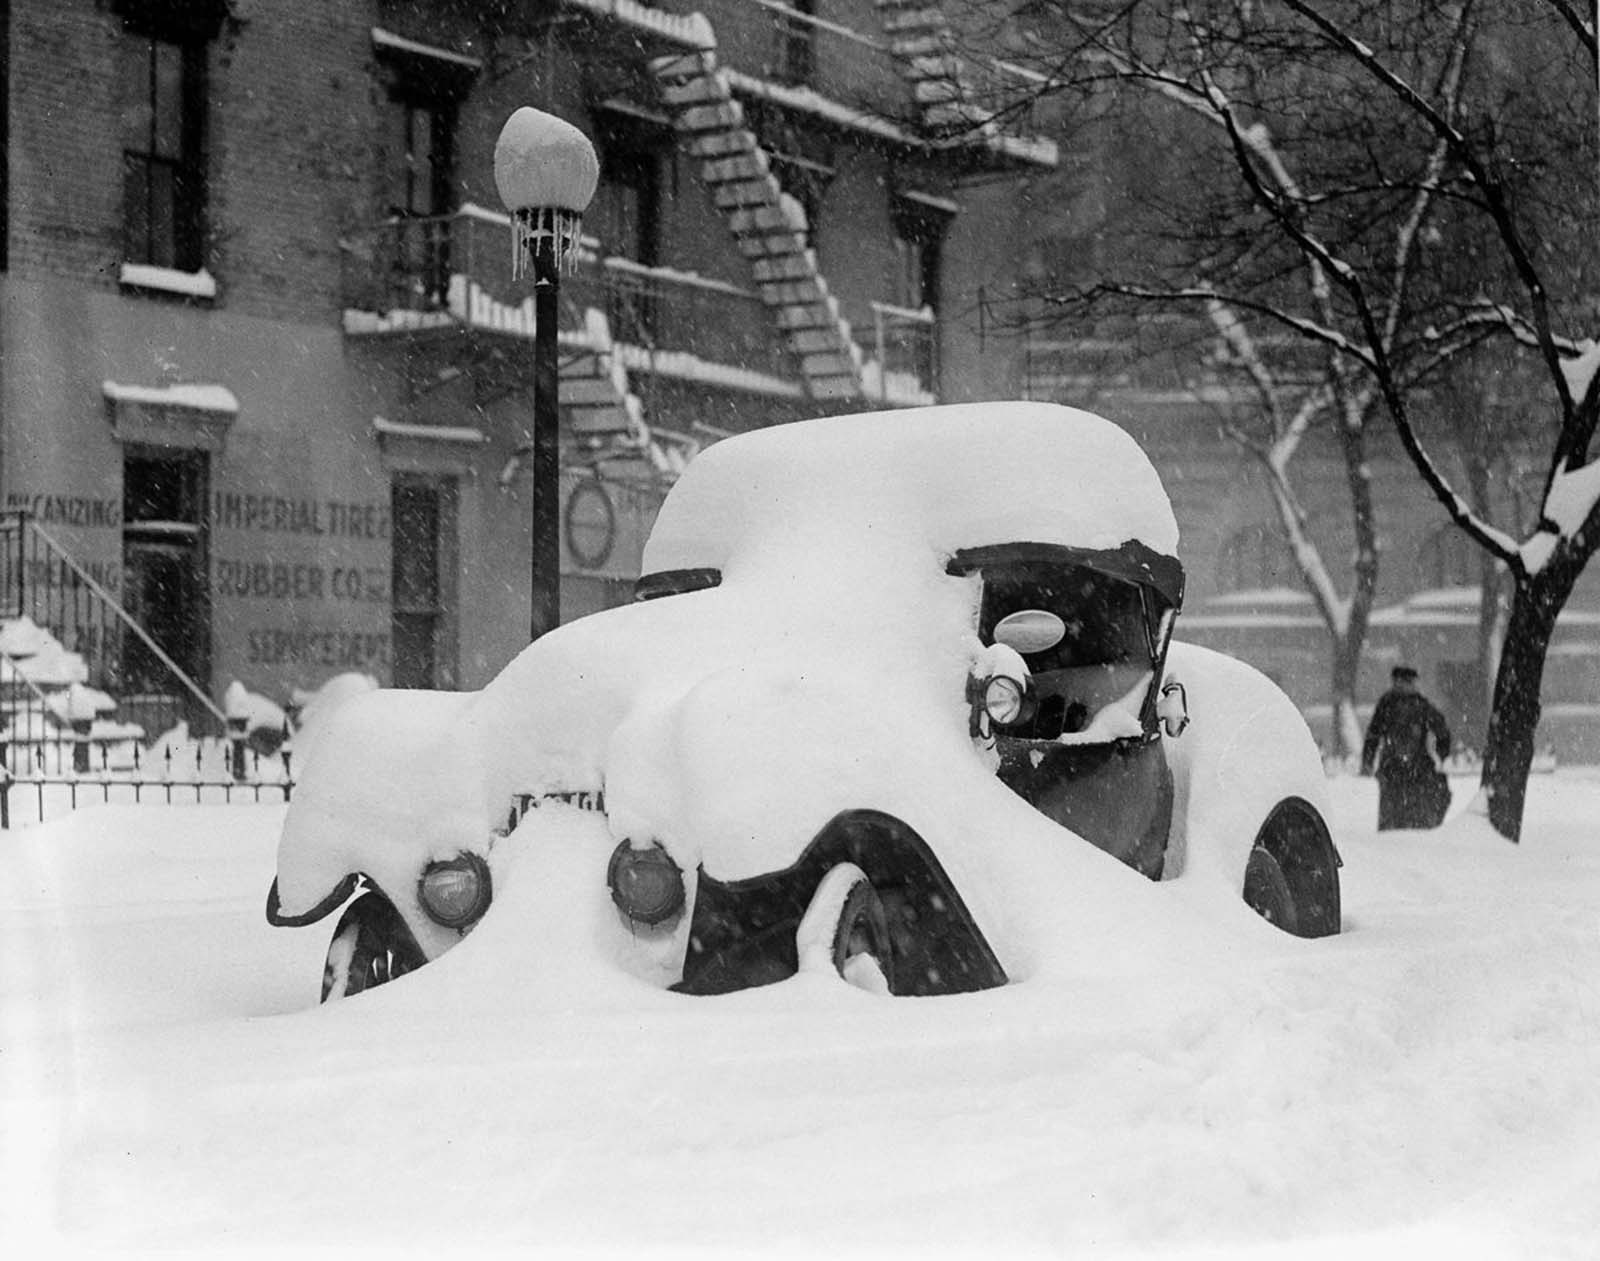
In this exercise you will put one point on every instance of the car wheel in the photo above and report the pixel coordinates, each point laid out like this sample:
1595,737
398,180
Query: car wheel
371,945
1267,892
845,931
1292,876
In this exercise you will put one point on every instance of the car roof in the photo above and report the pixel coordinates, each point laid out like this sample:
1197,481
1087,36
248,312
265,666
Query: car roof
960,476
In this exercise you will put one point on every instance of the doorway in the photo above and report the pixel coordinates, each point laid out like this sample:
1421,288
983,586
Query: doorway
164,573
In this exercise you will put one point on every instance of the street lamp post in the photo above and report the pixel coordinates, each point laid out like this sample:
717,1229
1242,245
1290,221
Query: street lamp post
546,171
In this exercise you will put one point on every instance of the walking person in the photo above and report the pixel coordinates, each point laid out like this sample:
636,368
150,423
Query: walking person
1407,742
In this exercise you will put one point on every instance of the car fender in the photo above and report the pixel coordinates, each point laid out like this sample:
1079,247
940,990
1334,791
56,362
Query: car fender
1246,751
388,787
744,929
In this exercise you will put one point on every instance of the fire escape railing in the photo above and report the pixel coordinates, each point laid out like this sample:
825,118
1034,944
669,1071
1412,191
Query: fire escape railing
407,272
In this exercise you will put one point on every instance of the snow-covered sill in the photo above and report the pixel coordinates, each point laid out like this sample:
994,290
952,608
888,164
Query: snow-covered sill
382,38
459,435
684,366
190,284
217,399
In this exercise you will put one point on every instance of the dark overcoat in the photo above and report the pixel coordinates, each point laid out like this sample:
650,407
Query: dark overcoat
1406,742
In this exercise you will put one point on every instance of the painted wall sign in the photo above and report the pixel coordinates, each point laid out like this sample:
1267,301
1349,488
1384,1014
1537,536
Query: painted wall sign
300,587
329,647
282,580
79,510
590,524
333,518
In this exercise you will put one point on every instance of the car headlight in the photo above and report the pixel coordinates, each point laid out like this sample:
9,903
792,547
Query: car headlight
455,893
646,884
1003,699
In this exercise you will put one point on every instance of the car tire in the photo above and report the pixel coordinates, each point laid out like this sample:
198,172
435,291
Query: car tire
371,946
845,931
1267,891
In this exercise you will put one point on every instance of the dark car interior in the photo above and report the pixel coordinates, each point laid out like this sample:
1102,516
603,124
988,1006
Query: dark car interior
1105,655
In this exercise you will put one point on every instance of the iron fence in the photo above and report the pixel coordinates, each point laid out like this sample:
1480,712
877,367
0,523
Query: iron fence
52,774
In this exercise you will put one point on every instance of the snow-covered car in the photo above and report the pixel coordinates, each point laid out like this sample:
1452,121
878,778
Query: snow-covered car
883,677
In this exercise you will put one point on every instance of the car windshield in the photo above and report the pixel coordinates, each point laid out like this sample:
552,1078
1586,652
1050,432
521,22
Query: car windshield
1092,685
1104,616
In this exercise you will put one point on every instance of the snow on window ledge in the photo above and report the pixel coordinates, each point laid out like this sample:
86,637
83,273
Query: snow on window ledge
190,415
201,398
460,435
191,284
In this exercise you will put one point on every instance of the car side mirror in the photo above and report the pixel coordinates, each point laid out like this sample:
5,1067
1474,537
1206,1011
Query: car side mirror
1173,708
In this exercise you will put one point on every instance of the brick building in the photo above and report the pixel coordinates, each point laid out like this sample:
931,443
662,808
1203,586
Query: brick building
265,379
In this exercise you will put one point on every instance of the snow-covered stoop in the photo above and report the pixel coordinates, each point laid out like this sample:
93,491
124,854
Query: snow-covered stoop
768,224
62,745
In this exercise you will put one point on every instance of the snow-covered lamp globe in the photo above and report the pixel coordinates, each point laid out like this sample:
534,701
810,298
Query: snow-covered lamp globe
546,171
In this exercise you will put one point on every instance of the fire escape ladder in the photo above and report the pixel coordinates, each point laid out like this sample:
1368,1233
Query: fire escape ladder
596,394
601,411
924,46
768,226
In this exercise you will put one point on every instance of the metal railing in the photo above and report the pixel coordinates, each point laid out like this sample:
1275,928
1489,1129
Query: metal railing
906,347
773,41
411,265
41,581
56,773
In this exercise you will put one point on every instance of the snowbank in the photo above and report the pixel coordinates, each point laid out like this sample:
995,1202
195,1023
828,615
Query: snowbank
1424,1085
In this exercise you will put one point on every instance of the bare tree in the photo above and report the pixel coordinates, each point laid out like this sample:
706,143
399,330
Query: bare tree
1392,182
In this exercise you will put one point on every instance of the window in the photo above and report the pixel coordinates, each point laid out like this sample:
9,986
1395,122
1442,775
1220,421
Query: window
796,59
162,96
1447,558
417,195
919,230
1254,558
629,222
423,516
416,157
419,148
911,345
626,217
801,160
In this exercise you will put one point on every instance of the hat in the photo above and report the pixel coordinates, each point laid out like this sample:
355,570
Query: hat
1403,674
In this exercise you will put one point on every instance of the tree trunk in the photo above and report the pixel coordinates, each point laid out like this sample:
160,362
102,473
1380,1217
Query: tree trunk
1346,734
1514,719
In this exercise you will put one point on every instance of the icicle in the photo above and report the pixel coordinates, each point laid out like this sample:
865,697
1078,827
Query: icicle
533,224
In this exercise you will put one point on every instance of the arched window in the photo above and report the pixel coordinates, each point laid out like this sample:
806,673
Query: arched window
1447,558
1255,557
